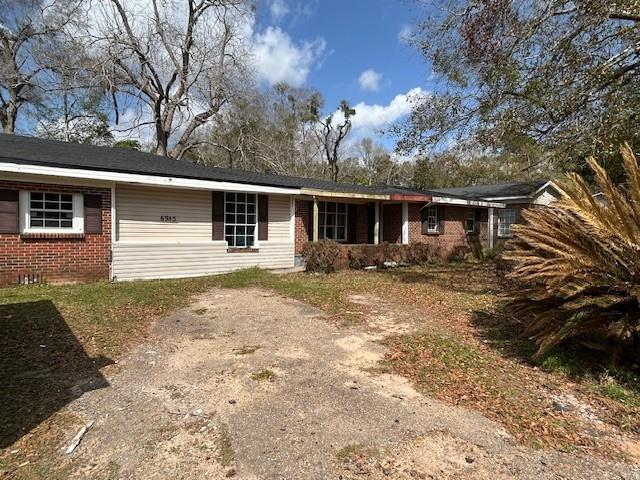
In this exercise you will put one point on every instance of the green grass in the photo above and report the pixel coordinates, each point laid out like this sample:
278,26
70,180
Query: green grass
226,454
246,349
264,375
353,450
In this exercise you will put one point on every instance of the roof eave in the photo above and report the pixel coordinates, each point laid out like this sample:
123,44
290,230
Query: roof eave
151,180
468,202
316,192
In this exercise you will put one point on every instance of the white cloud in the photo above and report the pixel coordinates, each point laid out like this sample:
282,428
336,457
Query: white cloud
369,80
279,59
373,117
278,9
405,33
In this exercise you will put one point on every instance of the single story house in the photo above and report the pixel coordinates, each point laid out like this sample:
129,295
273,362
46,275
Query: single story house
72,212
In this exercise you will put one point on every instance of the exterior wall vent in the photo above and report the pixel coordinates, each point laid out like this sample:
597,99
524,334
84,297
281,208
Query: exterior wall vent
30,278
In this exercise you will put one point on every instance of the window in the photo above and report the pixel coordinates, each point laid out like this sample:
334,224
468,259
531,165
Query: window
431,218
332,221
50,210
470,221
240,219
506,218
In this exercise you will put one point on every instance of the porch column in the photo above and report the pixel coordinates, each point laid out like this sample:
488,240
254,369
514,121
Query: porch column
316,216
376,224
490,228
405,223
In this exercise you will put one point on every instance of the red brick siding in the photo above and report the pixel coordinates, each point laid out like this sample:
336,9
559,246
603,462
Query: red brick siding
302,224
392,223
57,259
454,240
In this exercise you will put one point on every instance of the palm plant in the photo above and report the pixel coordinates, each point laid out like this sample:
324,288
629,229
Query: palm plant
576,264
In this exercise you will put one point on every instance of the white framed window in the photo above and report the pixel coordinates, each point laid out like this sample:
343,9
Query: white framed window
470,221
432,219
506,218
240,219
332,221
51,212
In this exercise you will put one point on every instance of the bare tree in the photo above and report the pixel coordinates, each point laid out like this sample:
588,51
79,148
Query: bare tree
180,61
28,30
331,135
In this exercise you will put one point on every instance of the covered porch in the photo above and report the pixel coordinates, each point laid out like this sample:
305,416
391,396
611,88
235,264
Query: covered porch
359,218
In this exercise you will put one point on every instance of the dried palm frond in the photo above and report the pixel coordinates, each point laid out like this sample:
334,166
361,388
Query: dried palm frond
577,263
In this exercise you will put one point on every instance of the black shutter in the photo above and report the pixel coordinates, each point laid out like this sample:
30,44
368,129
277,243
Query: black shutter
92,213
477,215
352,218
310,231
441,211
9,211
217,215
263,217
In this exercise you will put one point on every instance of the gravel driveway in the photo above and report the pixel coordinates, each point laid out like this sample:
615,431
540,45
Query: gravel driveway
245,384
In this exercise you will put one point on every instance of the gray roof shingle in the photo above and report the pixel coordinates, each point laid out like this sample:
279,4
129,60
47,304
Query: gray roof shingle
478,192
52,153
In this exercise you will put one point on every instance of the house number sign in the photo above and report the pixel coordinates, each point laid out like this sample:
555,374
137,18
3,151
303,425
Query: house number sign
168,218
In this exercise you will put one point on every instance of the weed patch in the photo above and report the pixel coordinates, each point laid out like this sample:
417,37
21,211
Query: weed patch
264,375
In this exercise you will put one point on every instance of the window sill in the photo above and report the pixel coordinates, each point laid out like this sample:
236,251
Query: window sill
70,235
505,236
242,250
432,234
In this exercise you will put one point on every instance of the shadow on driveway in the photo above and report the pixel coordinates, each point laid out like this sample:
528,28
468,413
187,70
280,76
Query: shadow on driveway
43,367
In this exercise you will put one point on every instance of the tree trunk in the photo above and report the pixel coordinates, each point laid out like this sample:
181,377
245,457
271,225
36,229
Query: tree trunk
9,125
162,139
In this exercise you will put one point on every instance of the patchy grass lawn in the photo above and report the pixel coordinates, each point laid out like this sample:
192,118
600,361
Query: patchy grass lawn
468,352
465,350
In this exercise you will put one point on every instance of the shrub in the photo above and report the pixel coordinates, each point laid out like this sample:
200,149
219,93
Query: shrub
421,253
577,265
361,256
323,256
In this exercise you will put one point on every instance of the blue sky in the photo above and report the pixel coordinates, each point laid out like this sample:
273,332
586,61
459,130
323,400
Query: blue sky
349,49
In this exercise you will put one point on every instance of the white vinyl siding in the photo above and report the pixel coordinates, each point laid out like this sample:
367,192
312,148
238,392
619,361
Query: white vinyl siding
279,218
137,262
140,212
147,248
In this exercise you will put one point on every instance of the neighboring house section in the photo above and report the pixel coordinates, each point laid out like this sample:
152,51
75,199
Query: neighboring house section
73,212
515,197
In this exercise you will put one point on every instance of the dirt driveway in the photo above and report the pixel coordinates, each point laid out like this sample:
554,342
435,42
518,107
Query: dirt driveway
249,385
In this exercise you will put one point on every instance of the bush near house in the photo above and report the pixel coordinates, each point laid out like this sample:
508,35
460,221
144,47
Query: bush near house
323,256
328,256
577,266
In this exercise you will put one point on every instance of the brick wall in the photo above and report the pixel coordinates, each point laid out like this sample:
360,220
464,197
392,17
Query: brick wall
57,259
302,224
392,223
454,241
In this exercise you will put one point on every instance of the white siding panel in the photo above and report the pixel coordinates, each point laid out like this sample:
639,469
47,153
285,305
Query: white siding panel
139,210
279,217
147,248
545,198
135,261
